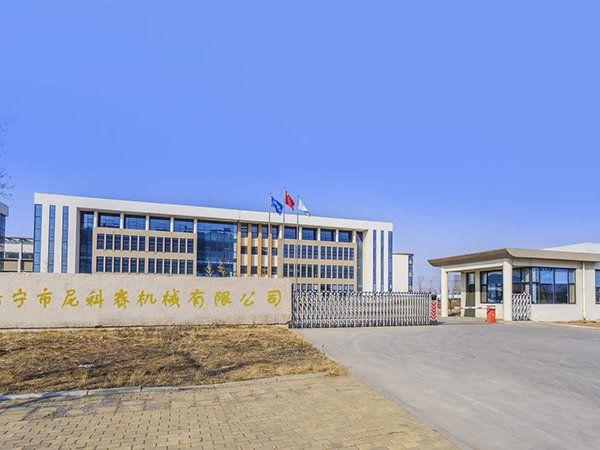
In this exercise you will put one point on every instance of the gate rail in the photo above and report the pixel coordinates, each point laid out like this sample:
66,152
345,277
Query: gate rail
361,309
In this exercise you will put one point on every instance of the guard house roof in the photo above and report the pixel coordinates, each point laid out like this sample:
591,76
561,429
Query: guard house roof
521,253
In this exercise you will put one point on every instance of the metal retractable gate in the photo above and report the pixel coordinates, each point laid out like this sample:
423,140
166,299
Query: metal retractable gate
361,309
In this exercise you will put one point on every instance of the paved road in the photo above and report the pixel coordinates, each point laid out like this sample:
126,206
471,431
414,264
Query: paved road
328,412
517,385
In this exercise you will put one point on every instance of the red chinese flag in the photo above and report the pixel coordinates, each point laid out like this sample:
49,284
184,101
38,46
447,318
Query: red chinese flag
288,200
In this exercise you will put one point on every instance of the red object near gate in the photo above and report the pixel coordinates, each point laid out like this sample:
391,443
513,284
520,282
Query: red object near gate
433,311
491,314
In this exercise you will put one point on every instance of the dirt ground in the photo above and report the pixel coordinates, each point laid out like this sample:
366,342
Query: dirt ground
166,356
584,323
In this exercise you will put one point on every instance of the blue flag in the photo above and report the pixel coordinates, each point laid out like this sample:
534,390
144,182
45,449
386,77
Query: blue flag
276,205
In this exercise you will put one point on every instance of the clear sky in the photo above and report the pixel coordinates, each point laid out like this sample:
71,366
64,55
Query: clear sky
469,125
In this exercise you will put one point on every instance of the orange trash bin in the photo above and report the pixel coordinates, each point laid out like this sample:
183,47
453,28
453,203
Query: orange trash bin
491,314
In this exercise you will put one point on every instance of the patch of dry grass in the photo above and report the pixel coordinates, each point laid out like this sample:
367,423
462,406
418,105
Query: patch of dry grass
584,323
162,356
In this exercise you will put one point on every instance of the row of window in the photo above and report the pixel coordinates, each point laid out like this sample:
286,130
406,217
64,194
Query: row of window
312,234
254,250
546,285
324,287
312,252
264,270
312,271
138,265
138,243
253,229
133,222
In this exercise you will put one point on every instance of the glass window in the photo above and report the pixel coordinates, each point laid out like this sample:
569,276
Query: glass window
322,252
327,235
51,228
117,242
108,264
142,240
159,265
133,266
217,245
190,267
175,246
152,243
141,265
174,266
290,233
183,225
274,271
65,239
151,266
190,246
310,252
303,252
274,231
344,236
244,230
598,286
109,220
254,231
243,270
309,234
159,244
244,249
254,250
135,222
134,243
264,251
182,266
85,240
292,249
491,287
99,264
100,241
329,253
126,242
160,224
125,264
274,251
182,245
117,264
109,242
167,245
334,253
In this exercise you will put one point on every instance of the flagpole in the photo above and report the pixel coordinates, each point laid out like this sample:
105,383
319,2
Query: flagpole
283,235
270,252
297,240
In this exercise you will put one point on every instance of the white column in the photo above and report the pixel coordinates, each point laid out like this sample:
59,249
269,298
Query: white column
444,291
507,289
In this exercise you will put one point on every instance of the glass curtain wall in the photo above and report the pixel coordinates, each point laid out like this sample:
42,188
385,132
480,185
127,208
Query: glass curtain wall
217,249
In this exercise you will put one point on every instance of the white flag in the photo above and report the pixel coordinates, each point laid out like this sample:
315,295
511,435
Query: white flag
303,208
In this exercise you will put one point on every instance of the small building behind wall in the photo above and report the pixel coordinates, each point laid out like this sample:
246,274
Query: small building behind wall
564,282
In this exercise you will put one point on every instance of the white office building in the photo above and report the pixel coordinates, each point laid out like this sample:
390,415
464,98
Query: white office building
95,235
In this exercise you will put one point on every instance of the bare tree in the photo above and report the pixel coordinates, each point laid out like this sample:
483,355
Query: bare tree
209,270
420,281
5,179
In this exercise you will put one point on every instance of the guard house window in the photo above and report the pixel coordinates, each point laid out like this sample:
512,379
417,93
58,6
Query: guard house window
491,287
309,234
327,235
160,223
135,222
183,226
344,236
109,220
546,285
290,233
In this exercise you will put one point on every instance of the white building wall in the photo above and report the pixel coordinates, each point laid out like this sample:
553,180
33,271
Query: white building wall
400,275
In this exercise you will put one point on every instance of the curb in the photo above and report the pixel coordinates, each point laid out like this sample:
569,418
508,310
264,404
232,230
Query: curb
140,389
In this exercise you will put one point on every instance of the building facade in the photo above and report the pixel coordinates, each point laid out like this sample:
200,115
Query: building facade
93,235
563,282
16,254
403,272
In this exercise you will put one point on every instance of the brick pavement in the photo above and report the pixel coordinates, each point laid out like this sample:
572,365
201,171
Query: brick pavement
329,412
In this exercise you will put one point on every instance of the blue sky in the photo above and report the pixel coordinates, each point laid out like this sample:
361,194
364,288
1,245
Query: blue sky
470,125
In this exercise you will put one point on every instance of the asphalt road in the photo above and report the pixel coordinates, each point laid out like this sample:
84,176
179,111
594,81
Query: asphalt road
509,386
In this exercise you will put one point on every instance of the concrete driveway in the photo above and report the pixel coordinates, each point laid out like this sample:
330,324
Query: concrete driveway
512,385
